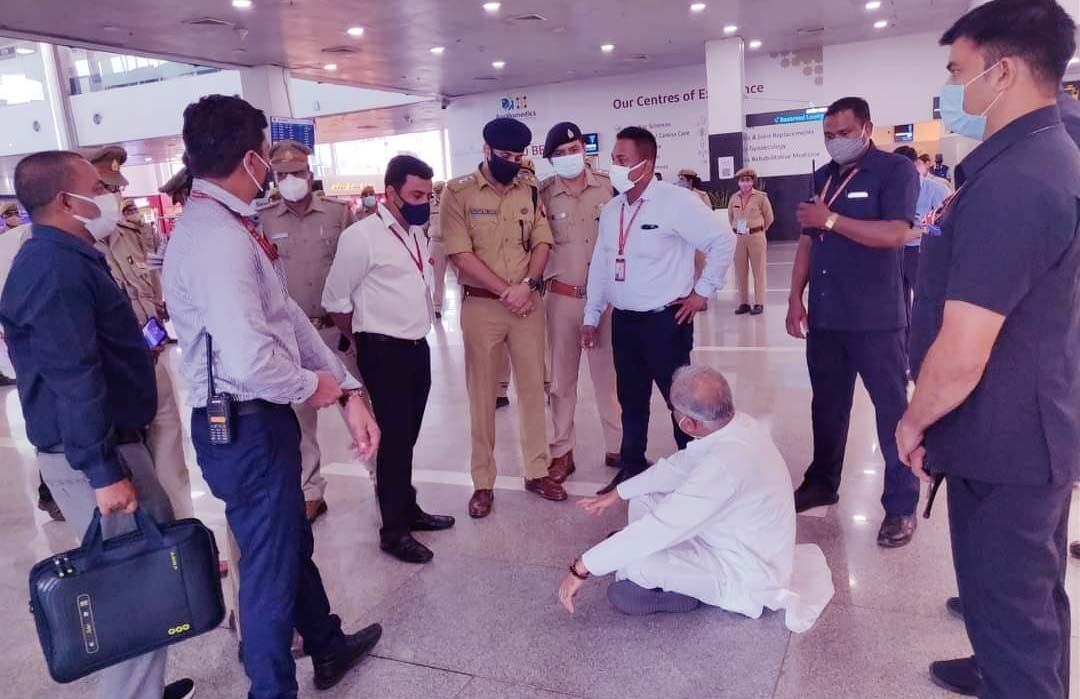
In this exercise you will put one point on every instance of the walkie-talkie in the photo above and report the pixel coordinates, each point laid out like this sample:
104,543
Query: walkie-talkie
218,405
813,176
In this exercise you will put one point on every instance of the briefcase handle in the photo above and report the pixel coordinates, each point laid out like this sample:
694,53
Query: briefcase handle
93,542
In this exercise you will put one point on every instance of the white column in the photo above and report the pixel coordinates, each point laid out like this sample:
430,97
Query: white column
267,88
724,77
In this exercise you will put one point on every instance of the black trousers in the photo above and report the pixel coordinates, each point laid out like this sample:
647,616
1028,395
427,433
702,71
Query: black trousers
1010,549
397,374
648,348
880,358
910,277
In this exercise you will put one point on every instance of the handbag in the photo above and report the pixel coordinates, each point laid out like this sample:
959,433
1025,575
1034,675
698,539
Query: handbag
113,600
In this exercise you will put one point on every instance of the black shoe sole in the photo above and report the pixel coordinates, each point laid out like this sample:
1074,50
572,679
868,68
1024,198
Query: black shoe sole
963,691
431,529
890,544
329,683
824,502
420,560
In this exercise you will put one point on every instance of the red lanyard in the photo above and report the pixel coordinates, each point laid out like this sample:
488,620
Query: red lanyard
269,248
624,232
745,200
417,259
840,189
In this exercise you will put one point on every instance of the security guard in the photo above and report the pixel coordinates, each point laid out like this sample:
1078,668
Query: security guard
438,251
126,253
498,238
178,187
11,216
369,203
151,240
573,198
306,229
850,253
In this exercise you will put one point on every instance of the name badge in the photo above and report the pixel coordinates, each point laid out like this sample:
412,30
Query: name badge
858,195
620,269
742,227
649,226
559,216
279,236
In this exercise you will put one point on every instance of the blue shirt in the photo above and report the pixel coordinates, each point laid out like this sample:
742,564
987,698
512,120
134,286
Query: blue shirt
1021,424
932,194
854,287
81,362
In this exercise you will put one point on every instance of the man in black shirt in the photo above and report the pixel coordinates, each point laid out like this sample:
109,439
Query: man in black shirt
996,345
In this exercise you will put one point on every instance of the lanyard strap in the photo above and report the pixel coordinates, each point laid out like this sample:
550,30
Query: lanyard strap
624,232
270,249
840,189
418,258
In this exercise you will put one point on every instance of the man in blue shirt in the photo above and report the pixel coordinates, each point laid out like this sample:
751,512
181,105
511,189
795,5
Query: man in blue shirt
85,376
850,254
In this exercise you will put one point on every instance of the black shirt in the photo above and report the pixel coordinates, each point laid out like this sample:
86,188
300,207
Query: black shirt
854,287
81,363
1009,243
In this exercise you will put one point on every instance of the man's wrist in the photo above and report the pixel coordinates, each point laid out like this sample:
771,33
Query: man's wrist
350,394
578,569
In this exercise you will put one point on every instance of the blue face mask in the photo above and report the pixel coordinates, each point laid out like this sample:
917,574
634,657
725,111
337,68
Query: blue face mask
952,109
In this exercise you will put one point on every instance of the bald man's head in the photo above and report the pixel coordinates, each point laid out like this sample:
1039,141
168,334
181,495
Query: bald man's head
703,395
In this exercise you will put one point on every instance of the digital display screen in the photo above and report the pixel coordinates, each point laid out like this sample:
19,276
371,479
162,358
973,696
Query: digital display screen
592,143
301,130
904,133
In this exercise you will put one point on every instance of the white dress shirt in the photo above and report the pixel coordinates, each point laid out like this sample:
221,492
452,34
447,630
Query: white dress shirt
217,280
659,257
375,278
716,521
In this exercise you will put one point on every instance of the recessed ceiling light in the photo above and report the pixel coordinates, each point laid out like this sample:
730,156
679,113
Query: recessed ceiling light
492,6
331,67
498,65
881,24
355,31
607,48
24,50
730,29
873,5
698,7
148,159
437,50
755,44
243,4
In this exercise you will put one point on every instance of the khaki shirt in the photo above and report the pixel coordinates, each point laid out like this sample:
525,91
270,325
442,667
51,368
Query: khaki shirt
758,212
434,230
307,245
501,229
125,252
575,223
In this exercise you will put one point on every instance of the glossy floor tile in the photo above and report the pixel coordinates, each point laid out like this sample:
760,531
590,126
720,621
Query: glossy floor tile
482,621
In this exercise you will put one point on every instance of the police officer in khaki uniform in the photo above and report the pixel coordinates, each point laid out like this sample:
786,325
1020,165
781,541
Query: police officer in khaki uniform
437,248
573,198
497,236
306,229
126,253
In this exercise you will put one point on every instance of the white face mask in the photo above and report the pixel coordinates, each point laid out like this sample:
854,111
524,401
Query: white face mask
620,177
108,216
847,150
569,166
370,201
293,188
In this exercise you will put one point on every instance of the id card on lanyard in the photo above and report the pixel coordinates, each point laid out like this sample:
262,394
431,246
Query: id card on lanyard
839,190
624,236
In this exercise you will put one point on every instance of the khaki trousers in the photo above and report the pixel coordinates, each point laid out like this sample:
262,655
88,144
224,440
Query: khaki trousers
165,440
438,265
750,255
565,316
489,330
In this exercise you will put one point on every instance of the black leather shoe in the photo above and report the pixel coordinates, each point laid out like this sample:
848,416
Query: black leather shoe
955,607
757,310
807,497
431,523
502,402
331,667
960,676
621,476
181,689
896,531
743,309
407,549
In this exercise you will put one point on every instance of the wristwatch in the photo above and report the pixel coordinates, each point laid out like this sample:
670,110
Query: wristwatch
536,285
576,574
343,400
831,221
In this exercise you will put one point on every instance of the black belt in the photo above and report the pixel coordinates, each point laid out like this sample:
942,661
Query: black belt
390,339
662,309
249,407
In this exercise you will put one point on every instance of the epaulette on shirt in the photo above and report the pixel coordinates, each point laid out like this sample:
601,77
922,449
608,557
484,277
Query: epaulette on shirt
547,182
461,183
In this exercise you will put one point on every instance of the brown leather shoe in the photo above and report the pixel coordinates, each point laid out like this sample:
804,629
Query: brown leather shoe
561,467
612,460
313,509
546,488
480,503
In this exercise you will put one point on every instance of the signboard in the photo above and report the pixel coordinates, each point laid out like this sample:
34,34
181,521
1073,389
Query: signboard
592,143
284,129
785,143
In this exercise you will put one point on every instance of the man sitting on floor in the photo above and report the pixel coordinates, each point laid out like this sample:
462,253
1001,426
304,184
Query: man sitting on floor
713,524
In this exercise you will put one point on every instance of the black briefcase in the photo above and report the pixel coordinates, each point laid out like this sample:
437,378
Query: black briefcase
112,600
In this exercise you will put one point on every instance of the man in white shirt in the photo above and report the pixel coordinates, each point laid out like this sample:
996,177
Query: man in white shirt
379,288
643,266
713,524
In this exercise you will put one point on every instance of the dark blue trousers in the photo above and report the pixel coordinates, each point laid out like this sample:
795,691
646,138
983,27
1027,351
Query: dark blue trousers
880,358
258,478
1010,549
648,348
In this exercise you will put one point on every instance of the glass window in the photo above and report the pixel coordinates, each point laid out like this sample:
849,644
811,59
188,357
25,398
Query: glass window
22,73
92,71
370,156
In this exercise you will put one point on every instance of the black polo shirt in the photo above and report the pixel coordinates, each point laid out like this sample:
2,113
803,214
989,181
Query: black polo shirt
1009,242
854,287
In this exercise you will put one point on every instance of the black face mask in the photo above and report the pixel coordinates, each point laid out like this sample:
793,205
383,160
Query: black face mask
415,214
502,169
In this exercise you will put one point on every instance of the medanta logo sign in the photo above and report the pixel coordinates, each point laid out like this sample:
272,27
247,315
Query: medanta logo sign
510,104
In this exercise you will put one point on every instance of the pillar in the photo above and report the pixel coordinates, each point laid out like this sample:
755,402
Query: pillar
724,77
267,88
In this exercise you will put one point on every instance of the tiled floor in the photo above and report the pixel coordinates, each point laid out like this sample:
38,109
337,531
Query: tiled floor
482,622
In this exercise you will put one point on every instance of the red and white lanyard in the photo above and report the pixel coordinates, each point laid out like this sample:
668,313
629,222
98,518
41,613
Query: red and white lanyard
839,190
624,232
267,247
418,258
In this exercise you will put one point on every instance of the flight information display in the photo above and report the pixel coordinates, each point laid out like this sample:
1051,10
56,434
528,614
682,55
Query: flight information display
285,129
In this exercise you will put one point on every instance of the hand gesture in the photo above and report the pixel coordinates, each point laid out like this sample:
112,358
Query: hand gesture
327,391
363,428
588,336
118,497
568,590
689,306
599,504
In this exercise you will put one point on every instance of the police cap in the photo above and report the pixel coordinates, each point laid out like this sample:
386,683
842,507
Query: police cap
108,160
561,134
507,134
289,156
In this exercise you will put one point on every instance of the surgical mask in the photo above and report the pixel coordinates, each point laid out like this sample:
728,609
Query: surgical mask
684,184
369,201
267,179
569,166
103,225
294,188
503,170
846,150
952,109
620,177
745,186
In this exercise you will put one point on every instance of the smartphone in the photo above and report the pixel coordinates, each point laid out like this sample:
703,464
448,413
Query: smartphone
154,333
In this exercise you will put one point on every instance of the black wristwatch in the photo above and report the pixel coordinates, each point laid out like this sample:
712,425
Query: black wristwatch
343,399
536,285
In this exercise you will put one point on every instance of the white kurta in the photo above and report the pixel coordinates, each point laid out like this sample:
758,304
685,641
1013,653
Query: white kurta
716,521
